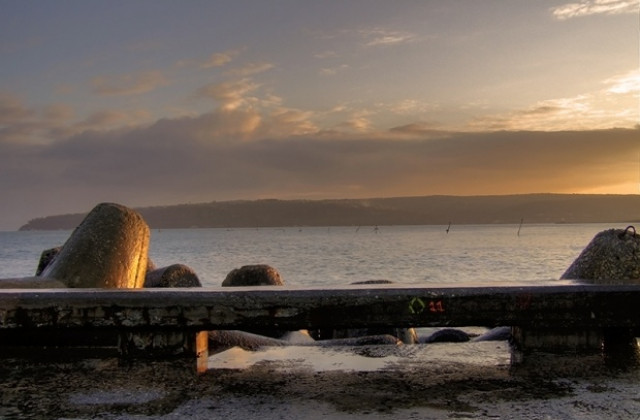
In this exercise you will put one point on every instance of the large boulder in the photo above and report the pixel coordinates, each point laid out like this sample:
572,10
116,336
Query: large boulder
109,249
49,255
612,256
175,275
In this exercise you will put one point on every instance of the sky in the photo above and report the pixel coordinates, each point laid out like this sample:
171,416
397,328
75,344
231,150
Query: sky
155,102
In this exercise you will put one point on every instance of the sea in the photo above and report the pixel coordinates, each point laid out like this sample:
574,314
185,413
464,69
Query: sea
331,256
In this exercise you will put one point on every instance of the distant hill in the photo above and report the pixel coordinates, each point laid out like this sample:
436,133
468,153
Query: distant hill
533,208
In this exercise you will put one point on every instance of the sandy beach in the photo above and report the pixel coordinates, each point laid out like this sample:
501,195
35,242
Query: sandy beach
442,381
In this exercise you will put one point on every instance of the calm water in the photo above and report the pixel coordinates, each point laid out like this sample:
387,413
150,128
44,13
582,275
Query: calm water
341,255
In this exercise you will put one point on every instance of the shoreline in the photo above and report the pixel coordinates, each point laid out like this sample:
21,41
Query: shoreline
416,210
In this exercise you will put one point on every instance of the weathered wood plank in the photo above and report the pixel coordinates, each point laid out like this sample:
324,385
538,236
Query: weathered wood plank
566,306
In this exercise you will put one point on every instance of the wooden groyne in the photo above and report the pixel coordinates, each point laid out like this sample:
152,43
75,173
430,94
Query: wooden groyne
564,316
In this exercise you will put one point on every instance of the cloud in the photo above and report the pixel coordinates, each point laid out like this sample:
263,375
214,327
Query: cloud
58,113
217,60
332,71
421,130
247,116
367,36
348,118
251,69
128,84
410,107
616,105
595,7
381,37
240,115
285,122
164,158
625,83
110,119
357,123
20,124
104,119
231,95
12,109
553,115
214,60
326,54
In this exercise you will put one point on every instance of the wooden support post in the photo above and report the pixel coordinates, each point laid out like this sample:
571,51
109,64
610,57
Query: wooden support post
202,351
620,347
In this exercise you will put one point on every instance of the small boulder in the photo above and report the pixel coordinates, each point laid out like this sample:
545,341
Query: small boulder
46,257
176,275
447,335
221,340
253,275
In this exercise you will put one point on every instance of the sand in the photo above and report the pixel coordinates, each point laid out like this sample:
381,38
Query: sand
437,381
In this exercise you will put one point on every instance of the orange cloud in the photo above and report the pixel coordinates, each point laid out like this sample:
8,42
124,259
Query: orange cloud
218,60
625,83
614,106
231,95
214,60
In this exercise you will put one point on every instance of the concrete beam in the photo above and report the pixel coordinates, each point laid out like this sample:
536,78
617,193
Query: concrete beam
540,307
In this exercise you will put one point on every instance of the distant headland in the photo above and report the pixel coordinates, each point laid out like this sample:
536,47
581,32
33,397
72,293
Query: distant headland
426,210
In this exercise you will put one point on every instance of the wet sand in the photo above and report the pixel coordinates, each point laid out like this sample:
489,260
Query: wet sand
450,381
